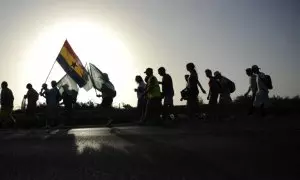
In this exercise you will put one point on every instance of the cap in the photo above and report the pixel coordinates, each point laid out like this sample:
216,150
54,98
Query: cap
255,67
149,70
217,73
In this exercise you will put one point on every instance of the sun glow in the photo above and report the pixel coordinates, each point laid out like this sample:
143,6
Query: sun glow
92,43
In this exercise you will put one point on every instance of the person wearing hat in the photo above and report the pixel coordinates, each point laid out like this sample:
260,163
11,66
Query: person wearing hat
262,96
153,96
32,97
7,104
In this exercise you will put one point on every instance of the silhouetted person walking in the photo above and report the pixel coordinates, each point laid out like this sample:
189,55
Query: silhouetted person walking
193,92
214,88
141,104
252,87
107,92
32,97
7,104
53,96
262,96
213,95
167,92
68,100
153,95
225,97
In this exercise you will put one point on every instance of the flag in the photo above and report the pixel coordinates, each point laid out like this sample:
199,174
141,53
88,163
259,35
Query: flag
96,77
89,84
67,80
72,65
101,82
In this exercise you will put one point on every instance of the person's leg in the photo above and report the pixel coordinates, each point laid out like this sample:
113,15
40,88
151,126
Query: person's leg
139,110
189,108
3,118
105,102
110,101
193,107
167,107
11,117
262,110
171,107
251,109
147,111
159,109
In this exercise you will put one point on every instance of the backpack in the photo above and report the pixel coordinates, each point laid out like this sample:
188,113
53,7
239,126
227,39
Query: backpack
268,81
36,95
231,86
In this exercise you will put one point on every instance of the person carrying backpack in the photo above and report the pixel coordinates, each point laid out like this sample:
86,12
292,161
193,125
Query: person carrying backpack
264,83
32,97
227,87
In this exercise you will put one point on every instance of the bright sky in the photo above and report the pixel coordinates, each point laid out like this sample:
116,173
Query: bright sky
124,37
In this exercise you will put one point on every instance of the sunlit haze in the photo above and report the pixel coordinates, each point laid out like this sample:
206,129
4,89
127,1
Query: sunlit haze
124,37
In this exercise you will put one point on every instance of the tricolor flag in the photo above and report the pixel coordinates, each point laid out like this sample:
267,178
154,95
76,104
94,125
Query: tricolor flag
72,65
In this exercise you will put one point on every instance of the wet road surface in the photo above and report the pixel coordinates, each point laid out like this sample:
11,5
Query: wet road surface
147,153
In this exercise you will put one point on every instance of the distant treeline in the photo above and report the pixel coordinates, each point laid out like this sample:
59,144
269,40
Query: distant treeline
277,101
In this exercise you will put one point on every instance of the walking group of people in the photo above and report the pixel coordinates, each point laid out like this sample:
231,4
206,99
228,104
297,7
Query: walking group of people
150,95
53,98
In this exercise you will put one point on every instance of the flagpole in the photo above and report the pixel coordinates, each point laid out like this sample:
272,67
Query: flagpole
50,71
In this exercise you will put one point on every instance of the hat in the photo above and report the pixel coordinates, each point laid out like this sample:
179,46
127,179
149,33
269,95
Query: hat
149,70
217,73
255,67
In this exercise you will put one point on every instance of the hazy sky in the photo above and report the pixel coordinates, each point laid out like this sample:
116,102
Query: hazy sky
123,37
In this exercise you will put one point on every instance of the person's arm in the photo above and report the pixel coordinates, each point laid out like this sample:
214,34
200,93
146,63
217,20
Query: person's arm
247,93
26,95
202,89
209,94
148,87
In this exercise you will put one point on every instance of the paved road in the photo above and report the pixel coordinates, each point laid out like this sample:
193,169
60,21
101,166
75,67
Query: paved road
147,153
